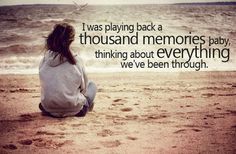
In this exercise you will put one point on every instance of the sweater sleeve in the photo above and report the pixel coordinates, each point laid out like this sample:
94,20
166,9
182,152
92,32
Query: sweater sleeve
84,83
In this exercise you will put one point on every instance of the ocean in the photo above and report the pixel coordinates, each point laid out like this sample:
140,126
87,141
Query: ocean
25,27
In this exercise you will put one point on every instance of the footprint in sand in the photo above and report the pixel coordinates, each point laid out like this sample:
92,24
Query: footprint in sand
35,96
111,144
234,126
132,138
187,96
233,112
46,143
131,117
234,85
170,100
149,117
116,104
100,90
26,117
44,133
95,148
206,95
105,133
179,131
147,89
77,125
117,100
22,90
26,142
49,133
196,130
227,95
107,96
10,147
183,130
127,109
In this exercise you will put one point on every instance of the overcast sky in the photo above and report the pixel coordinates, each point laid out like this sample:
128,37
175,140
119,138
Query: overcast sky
16,2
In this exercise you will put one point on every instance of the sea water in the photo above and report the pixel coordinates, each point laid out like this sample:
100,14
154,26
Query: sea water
24,28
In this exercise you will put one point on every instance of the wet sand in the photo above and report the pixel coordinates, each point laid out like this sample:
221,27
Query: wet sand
134,113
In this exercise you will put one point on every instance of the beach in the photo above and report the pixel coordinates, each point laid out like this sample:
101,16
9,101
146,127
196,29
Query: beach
134,113
153,109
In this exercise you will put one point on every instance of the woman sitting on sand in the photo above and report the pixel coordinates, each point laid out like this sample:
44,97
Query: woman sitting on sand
65,90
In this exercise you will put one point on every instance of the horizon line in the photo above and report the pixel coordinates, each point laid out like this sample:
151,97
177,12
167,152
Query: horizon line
177,3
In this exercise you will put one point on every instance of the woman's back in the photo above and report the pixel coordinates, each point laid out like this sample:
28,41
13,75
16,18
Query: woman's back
64,87
61,84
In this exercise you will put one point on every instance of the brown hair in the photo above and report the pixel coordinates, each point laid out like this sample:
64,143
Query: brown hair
59,41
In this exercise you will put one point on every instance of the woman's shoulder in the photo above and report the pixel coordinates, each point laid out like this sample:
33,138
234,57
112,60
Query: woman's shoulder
79,63
79,60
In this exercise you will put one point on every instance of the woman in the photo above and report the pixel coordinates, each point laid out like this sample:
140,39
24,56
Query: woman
65,90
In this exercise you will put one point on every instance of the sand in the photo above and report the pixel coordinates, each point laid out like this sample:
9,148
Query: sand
134,113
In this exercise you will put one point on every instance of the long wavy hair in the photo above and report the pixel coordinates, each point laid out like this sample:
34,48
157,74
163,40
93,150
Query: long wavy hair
59,41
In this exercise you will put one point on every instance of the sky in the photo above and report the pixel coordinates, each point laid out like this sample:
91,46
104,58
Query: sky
107,2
